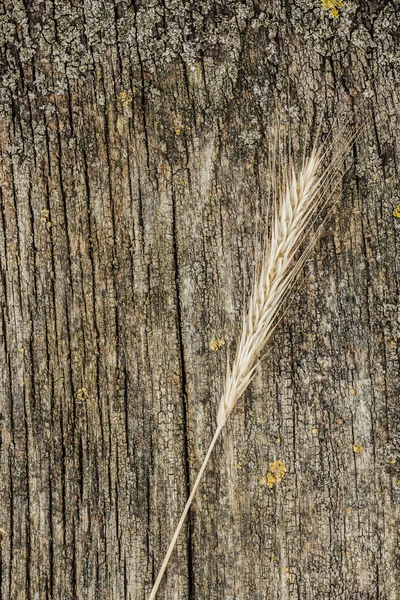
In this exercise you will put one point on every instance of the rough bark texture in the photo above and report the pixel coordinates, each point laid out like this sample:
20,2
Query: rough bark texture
134,139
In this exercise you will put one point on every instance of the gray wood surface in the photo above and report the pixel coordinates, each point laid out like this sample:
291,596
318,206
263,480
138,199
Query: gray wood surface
134,143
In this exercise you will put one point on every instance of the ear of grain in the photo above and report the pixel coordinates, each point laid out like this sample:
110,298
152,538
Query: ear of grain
295,208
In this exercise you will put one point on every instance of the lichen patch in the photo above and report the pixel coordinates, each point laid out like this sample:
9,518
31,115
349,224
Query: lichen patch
125,97
277,471
82,394
358,449
333,7
216,344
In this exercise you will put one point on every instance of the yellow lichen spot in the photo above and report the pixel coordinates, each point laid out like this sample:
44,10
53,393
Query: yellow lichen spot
81,393
278,440
352,391
396,212
45,213
216,344
393,343
314,430
277,470
22,350
45,218
358,449
393,461
333,7
125,97
239,466
398,482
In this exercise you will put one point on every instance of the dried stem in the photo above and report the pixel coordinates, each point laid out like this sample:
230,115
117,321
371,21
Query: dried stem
184,513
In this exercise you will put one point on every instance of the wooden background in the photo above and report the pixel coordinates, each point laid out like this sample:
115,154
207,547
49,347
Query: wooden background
134,140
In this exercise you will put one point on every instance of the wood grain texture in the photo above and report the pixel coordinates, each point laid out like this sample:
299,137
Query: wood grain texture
134,142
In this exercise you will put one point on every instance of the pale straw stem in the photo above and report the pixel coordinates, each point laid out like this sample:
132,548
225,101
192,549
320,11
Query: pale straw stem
184,513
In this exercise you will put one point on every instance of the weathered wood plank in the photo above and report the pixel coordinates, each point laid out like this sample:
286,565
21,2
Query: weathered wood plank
134,143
